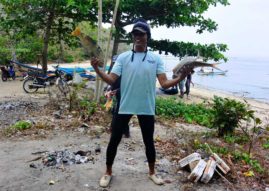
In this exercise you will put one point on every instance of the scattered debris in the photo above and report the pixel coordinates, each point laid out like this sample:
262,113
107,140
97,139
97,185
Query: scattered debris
202,170
187,160
32,165
209,170
39,152
220,163
57,114
97,149
35,159
197,172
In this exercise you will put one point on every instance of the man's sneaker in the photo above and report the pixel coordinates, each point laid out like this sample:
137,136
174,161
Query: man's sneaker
105,180
157,180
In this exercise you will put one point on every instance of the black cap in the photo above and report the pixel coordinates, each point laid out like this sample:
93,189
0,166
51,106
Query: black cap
141,25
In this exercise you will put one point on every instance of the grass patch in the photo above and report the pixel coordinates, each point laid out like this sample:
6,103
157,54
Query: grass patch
22,125
171,108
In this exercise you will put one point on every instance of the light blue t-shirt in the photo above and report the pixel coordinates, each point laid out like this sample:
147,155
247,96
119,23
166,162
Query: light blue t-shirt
138,82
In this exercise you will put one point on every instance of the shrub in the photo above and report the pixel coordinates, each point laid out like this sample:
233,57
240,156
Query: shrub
228,113
69,58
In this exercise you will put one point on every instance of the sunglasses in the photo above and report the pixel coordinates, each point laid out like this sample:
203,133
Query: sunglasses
138,34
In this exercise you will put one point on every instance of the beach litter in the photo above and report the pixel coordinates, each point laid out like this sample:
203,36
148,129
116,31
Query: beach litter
202,169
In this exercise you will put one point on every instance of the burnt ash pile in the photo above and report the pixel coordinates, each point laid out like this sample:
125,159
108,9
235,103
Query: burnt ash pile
13,111
66,157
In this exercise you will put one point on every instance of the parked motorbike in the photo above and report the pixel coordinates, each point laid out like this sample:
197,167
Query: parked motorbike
36,80
8,72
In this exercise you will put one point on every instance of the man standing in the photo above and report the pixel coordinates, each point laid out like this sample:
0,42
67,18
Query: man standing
188,83
138,70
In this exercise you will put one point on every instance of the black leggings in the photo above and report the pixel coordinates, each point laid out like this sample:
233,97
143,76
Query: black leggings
146,123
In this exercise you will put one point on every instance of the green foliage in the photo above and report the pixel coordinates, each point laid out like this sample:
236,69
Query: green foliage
193,113
69,58
266,144
22,125
180,49
87,107
228,113
239,139
249,160
84,105
28,48
5,52
215,149
252,129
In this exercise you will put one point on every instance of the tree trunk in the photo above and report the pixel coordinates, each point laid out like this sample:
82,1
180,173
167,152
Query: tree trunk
114,50
46,42
61,43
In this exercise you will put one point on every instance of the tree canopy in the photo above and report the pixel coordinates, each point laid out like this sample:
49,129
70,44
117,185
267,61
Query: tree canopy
172,14
53,21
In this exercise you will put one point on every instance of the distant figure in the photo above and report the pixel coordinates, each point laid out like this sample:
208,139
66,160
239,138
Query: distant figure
181,88
188,83
202,69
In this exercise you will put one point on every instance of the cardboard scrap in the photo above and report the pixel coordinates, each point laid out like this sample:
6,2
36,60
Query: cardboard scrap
200,169
197,172
192,157
221,164
209,170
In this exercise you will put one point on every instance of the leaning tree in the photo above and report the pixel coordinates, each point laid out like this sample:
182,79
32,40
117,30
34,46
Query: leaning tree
172,13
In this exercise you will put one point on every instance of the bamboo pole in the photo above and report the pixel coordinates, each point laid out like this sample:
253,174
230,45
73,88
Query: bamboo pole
98,79
108,42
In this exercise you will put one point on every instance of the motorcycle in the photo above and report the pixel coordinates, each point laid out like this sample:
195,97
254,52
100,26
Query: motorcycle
36,79
8,72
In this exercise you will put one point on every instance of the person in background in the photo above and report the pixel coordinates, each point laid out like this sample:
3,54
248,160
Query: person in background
181,87
138,70
115,91
170,91
188,83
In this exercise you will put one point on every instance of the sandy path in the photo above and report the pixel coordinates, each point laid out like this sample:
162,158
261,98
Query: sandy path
16,174
11,89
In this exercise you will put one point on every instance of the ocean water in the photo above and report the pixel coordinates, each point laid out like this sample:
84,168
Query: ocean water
245,77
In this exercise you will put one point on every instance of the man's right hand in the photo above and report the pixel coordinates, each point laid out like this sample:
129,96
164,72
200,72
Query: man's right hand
95,63
108,78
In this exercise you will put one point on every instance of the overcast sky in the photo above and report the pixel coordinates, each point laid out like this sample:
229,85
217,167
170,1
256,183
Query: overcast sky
243,26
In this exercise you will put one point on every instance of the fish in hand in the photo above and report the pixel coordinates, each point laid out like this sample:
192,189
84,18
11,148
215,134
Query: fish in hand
90,46
188,64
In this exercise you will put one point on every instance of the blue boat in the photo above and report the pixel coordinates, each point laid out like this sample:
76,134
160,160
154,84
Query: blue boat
212,73
81,71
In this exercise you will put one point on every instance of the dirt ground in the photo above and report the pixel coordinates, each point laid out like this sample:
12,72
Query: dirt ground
129,170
